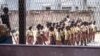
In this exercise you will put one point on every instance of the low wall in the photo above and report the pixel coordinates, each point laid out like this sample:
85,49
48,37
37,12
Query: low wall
23,50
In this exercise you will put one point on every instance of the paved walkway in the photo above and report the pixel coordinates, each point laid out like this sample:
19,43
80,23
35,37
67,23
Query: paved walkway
96,41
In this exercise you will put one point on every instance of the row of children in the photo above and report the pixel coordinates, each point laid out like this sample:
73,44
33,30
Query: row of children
65,32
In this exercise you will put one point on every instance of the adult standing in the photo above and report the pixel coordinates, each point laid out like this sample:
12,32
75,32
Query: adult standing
5,37
5,17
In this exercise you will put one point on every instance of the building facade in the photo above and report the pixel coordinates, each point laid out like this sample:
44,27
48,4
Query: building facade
68,5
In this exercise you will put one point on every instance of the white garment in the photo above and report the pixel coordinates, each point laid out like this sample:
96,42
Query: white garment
93,27
15,37
68,19
0,21
67,23
30,32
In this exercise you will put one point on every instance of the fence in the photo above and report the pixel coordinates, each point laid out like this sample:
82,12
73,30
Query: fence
39,12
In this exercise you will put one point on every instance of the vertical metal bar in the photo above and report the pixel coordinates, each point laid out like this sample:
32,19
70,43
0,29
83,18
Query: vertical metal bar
22,21
85,4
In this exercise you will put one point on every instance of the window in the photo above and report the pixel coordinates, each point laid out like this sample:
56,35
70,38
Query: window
66,8
48,8
76,7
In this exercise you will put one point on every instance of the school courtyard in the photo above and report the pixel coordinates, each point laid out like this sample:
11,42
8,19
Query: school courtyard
96,41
